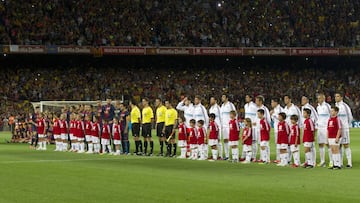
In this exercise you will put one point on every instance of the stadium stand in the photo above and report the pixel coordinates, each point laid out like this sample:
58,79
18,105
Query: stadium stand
258,23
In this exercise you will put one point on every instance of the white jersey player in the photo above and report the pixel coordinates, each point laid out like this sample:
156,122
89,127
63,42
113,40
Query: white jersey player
323,110
251,112
259,101
305,105
225,109
291,109
187,107
274,113
215,109
346,118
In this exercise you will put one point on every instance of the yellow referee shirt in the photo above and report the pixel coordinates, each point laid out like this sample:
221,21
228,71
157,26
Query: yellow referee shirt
135,115
170,116
160,114
147,115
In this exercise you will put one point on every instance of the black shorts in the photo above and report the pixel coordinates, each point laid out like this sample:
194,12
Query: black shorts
159,129
146,130
168,131
135,129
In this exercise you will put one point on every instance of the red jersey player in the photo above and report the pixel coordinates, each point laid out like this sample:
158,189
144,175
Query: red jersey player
234,136
264,137
334,137
247,140
41,130
193,140
88,136
105,137
213,136
64,132
72,132
80,134
116,130
96,132
283,139
182,137
308,138
295,140
201,139
57,132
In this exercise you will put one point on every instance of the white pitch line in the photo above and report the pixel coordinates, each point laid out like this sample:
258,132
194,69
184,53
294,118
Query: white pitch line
54,160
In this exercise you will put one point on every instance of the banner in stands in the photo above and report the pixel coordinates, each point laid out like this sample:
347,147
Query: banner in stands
356,124
197,51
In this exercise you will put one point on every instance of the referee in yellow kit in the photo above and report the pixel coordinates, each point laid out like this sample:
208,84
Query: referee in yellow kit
160,123
147,119
171,116
135,118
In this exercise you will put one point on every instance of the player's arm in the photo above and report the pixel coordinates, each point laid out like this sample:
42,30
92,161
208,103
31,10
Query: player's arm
181,105
297,136
338,134
127,120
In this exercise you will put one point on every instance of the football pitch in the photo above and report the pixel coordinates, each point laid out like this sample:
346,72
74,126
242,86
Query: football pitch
47,176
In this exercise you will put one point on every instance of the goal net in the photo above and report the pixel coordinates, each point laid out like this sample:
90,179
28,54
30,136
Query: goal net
57,106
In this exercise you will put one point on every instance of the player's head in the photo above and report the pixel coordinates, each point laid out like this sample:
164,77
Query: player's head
274,102
212,116
158,102
197,100
321,98
248,98
304,100
116,120
282,116
95,119
338,97
294,119
181,119
168,104
287,99
213,100
187,101
87,118
145,102
232,114
192,123
224,98
306,113
62,116
247,122
334,111
78,117
260,113
200,123
108,101
259,100
132,103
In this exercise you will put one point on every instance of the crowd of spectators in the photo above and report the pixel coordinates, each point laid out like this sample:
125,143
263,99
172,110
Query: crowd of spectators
22,85
259,23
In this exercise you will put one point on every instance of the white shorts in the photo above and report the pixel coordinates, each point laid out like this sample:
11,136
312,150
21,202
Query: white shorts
345,136
282,146
264,144
64,136
247,148
57,137
117,142
332,141
193,146
80,139
182,143
256,134
213,142
41,136
95,140
293,148
88,138
322,136
233,143
308,144
105,141
72,137
225,133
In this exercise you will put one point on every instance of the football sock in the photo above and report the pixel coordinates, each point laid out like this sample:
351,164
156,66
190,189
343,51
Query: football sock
145,146
161,147
348,155
226,149
214,154
322,154
309,158
254,150
151,147
220,147
44,145
183,152
174,145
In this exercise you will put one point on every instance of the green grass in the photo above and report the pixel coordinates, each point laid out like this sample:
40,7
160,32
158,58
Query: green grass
48,176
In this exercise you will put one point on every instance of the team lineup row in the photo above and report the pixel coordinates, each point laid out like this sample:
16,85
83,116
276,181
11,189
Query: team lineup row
217,127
